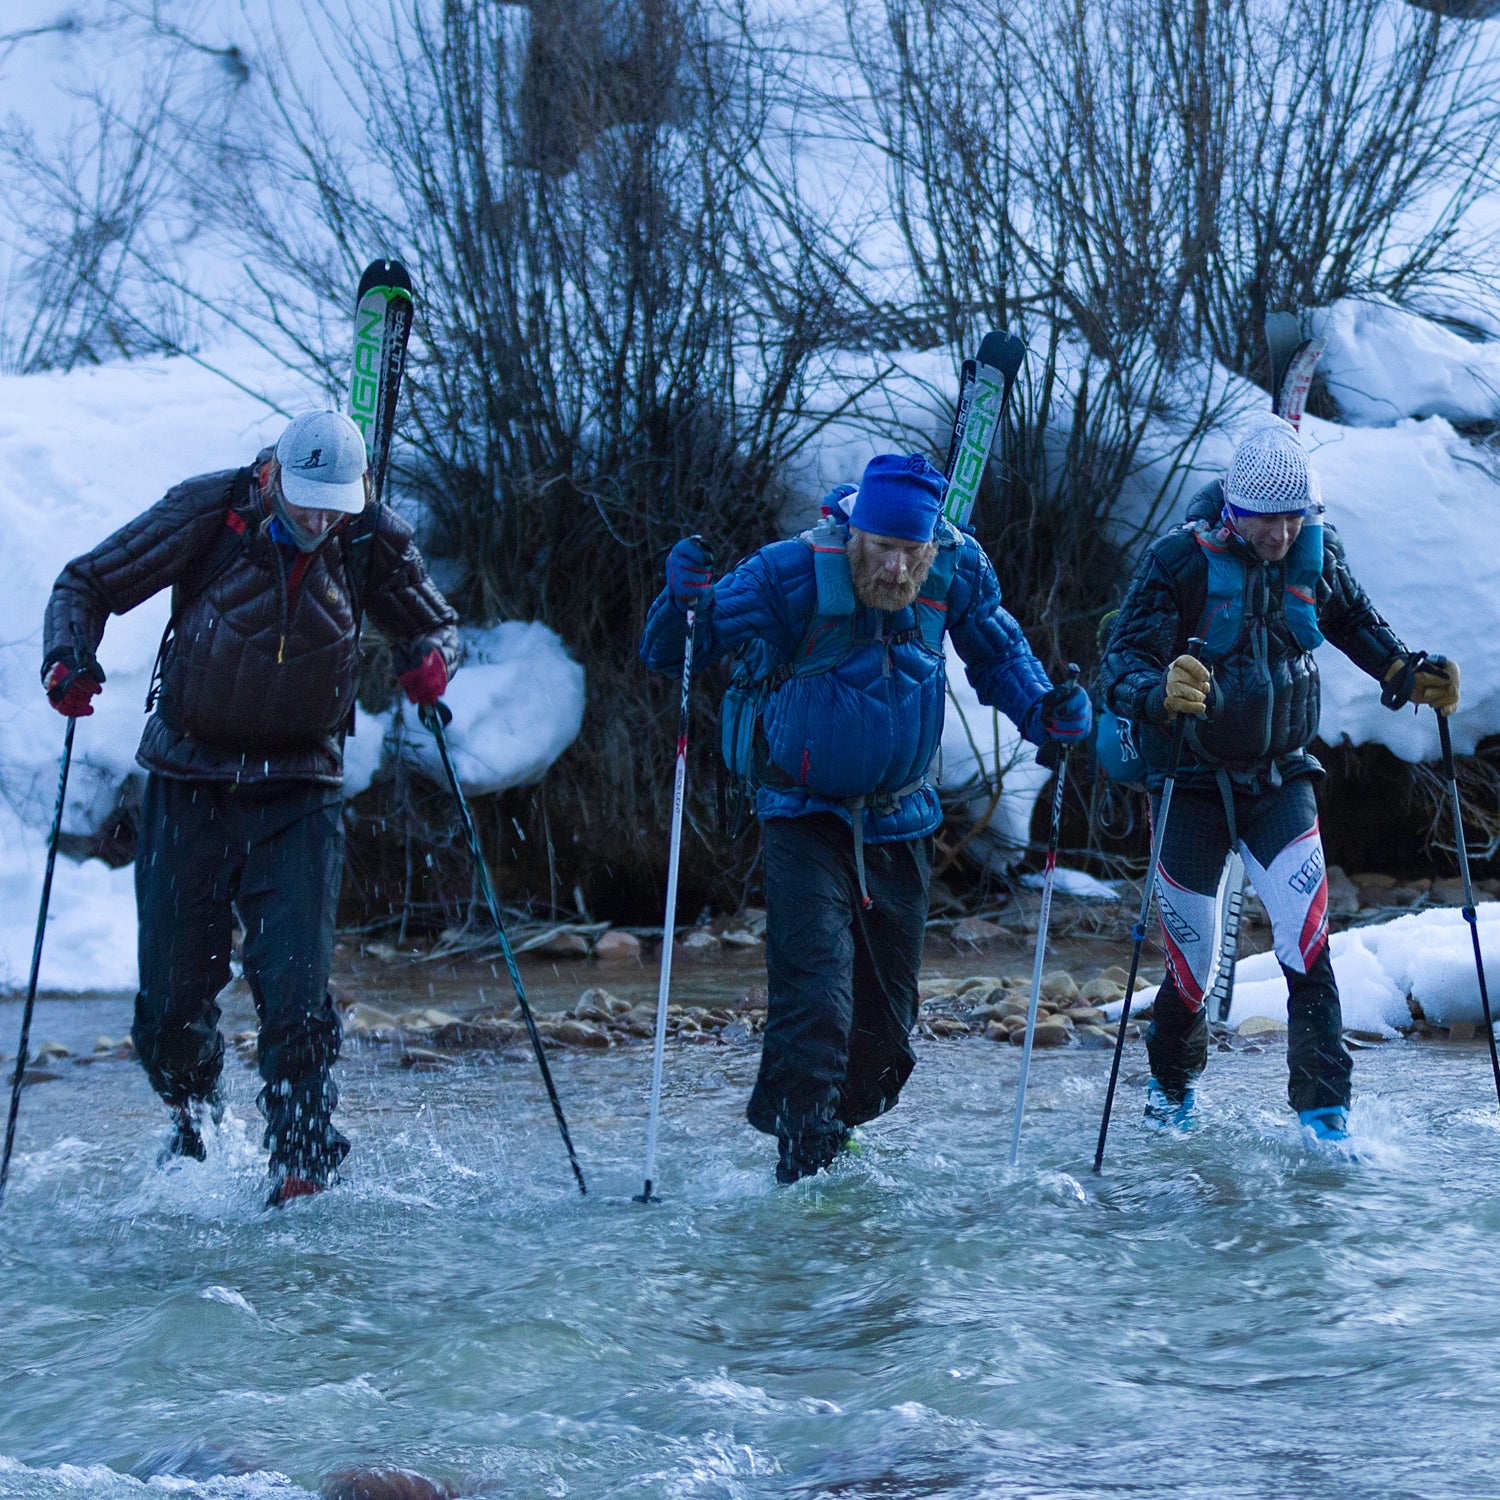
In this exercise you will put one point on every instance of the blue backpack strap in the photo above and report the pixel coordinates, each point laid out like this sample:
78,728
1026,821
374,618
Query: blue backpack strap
1302,571
830,633
931,607
1224,602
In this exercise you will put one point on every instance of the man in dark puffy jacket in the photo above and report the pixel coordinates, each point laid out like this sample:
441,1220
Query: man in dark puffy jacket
271,567
849,621
1265,583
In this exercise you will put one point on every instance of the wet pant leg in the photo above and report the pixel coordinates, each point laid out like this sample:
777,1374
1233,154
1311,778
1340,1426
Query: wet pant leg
842,983
287,900
187,860
888,941
1194,848
1284,858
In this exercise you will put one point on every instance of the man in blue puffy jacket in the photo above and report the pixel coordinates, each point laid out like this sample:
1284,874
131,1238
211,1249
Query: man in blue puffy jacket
849,621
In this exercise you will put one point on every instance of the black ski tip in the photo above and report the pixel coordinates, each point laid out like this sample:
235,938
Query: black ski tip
1002,351
387,273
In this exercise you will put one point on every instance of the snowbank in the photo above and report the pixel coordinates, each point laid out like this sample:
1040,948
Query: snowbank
517,705
1427,955
981,748
1383,363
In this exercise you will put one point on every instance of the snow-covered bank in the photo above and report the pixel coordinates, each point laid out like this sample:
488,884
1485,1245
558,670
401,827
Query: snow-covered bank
1427,956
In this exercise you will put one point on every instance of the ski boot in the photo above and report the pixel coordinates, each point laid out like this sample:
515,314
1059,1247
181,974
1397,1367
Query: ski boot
186,1140
1169,1113
285,1189
1330,1124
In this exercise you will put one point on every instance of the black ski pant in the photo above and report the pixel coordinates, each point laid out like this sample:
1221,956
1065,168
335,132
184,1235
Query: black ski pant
274,855
842,982
1283,852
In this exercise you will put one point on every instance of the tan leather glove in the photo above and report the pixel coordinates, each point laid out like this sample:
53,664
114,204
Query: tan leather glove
1187,687
1437,688
1434,684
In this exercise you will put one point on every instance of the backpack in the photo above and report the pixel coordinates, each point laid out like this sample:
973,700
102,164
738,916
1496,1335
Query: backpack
1116,746
827,640
357,543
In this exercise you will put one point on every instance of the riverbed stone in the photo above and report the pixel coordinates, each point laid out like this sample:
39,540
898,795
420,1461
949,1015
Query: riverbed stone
976,931
1260,1026
1102,990
1086,1015
49,1050
565,945
575,1033
1462,1031
383,1484
1058,984
976,984
617,943
698,940
996,1032
424,1060
1343,894
1056,1032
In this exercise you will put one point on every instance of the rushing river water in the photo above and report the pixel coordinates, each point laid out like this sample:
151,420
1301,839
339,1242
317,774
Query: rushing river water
1231,1314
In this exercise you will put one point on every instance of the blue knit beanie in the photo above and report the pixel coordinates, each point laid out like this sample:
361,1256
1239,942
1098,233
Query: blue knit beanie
900,495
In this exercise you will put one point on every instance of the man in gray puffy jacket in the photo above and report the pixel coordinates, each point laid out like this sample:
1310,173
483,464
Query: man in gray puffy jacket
271,568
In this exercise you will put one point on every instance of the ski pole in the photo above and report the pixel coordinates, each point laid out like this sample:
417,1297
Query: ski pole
83,660
1054,833
1138,932
669,922
435,716
1470,915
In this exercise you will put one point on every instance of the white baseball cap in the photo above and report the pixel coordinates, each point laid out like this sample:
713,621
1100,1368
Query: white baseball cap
322,458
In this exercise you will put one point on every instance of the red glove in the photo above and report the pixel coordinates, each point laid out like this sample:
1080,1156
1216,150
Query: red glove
69,691
424,684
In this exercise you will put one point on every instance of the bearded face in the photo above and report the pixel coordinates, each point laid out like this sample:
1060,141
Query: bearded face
888,571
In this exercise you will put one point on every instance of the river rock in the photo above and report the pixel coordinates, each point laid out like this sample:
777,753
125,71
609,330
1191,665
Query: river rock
424,1059
1102,990
738,937
603,1002
977,984
48,1051
699,940
976,931
617,944
573,1033
1057,1032
103,1043
996,1032
564,945
1086,1015
753,920
1448,892
1462,1031
1260,1026
1343,894
1403,895
1058,984
1095,1036
383,1484
39,1075
948,1026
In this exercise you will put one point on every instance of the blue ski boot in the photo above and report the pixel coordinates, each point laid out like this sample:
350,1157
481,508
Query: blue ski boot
1171,1114
1330,1124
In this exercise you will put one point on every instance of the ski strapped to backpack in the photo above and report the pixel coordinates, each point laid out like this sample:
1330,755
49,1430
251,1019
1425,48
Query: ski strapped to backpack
828,639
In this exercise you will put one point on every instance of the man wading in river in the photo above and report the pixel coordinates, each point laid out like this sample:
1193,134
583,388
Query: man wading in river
1264,582
270,567
846,624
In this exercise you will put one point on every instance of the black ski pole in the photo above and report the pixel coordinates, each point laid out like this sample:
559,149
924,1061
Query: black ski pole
83,659
1138,932
435,716
1470,915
